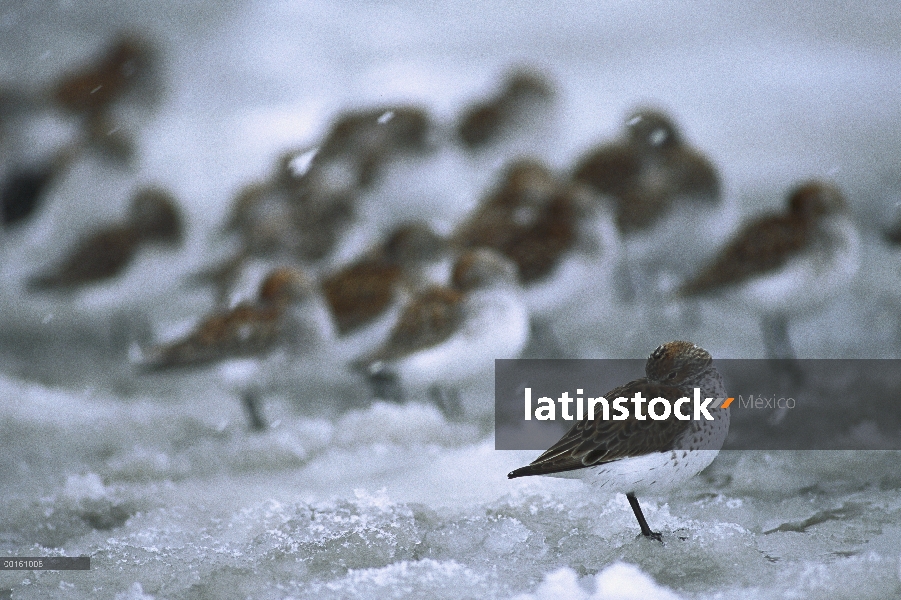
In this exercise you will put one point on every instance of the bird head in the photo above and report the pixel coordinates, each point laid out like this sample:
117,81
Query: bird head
677,362
286,285
652,129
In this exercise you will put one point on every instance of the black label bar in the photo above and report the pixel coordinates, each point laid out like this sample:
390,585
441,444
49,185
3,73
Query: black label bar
45,563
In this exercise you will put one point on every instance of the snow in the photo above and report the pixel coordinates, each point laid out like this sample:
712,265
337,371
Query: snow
160,482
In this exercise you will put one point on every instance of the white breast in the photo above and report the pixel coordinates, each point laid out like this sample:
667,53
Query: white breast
811,278
495,325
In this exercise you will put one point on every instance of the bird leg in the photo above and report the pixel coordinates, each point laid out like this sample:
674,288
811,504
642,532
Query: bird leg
626,279
645,530
386,386
447,400
251,402
775,337
543,341
779,349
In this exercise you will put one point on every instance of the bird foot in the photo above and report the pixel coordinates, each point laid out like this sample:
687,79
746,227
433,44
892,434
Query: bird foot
251,403
653,535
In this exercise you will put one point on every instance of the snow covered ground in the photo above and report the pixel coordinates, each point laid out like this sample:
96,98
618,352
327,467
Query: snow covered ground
161,483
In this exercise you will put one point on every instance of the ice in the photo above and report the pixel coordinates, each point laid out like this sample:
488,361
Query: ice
619,581
159,480
135,592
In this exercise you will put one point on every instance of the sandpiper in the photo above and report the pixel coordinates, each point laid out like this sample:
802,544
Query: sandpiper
542,223
361,142
786,263
291,217
288,315
127,65
524,97
666,196
647,170
287,311
154,218
561,239
127,70
293,212
362,294
633,456
447,335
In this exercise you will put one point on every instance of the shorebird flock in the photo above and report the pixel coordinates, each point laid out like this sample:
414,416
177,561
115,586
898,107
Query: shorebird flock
425,307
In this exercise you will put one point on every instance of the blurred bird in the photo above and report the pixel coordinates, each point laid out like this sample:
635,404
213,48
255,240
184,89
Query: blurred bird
287,312
647,170
555,233
301,213
292,217
787,263
125,73
360,143
288,315
153,218
633,456
274,214
366,291
524,98
666,200
447,335
126,67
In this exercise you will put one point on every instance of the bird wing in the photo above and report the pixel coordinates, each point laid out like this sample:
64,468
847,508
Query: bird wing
599,441
101,256
610,169
360,293
693,174
761,246
481,124
490,226
244,331
429,319
538,248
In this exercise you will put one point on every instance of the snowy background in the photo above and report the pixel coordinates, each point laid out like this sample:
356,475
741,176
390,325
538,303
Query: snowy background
158,479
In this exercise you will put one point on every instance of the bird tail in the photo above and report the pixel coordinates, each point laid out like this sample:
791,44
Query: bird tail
543,469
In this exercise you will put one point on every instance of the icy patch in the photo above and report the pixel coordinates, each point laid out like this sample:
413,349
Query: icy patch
562,584
408,579
158,479
135,592
89,487
619,581
406,424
